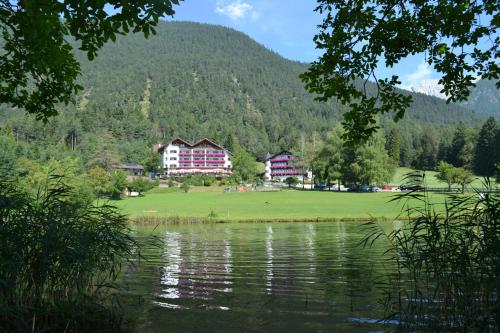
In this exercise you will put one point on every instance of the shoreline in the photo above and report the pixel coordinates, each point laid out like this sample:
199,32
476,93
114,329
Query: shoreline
173,220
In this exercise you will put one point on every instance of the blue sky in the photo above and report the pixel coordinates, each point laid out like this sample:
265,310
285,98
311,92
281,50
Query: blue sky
285,26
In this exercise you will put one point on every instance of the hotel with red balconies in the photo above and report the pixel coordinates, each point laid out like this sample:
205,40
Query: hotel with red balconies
181,158
281,166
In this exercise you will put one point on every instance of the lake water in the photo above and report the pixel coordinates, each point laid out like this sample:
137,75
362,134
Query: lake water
257,277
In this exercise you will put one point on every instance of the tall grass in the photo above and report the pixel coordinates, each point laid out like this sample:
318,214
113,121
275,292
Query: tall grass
59,257
448,263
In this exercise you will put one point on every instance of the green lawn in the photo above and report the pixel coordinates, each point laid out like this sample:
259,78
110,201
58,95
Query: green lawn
286,205
430,177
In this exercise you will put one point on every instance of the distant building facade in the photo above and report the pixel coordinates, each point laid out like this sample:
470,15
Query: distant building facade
131,169
180,158
282,165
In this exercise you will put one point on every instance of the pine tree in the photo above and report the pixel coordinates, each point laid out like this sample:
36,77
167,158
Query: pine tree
427,158
487,148
461,150
393,145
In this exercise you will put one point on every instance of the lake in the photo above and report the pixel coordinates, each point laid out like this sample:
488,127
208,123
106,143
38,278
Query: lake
256,277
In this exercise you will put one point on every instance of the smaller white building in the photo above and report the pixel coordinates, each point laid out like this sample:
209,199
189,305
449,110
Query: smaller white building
282,165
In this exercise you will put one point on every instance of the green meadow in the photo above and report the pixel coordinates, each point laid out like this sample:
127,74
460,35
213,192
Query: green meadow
284,205
430,179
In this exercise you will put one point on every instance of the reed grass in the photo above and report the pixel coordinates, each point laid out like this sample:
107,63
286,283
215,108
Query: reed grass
59,257
448,263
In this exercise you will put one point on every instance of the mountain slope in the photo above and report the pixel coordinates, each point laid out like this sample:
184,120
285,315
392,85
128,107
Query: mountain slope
485,99
196,80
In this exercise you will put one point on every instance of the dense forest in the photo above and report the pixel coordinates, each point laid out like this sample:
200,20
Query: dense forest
196,80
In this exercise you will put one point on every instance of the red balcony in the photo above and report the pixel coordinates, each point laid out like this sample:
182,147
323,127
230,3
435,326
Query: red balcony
283,159
200,167
286,173
276,167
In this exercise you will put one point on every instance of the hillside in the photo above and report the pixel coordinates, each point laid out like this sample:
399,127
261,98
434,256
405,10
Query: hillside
197,80
485,99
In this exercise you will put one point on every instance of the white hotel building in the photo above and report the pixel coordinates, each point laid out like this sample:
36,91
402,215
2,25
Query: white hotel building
181,158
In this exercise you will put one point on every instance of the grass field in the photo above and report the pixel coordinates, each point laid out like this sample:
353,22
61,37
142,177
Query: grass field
430,178
288,205
281,205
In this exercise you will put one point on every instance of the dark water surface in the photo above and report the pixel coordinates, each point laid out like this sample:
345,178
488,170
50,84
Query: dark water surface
265,277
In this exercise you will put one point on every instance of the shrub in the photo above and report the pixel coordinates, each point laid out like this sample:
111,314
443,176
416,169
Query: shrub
196,180
213,214
118,184
141,185
185,187
208,180
291,181
58,256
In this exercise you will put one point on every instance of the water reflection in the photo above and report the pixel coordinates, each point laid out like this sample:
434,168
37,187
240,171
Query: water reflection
300,277
269,261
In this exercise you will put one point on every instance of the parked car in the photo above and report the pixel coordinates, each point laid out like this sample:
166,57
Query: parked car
365,188
375,189
409,187
360,188
319,186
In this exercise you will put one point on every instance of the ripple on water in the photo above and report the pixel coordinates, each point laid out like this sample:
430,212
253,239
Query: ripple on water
300,277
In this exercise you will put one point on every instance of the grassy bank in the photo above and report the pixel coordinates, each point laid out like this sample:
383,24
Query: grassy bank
197,207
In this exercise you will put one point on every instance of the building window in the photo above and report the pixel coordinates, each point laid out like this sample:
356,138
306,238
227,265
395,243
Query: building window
173,166
173,158
173,152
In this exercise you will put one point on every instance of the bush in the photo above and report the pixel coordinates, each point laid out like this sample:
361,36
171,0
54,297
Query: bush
57,255
208,180
291,181
118,184
196,180
185,187
141,185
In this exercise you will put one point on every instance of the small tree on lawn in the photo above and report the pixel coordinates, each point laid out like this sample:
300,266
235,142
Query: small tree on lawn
463,177
152,162
140,185
447,173
118,183
99,180
291,181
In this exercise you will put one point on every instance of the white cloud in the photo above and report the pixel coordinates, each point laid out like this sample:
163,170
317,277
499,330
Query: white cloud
421,81
423,72
236,10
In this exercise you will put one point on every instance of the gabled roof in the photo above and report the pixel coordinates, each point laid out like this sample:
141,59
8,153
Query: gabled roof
179,140
192,145
207,141
128,166
270,157
157,147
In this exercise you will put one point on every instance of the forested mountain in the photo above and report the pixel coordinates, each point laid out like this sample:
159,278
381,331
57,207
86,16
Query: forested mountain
196,80
485,99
